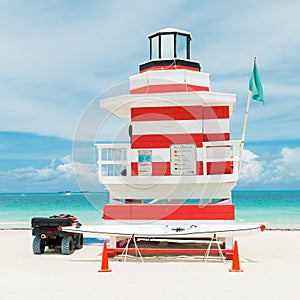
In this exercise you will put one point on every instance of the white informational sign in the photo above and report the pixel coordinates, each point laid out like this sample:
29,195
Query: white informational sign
145,163
183,159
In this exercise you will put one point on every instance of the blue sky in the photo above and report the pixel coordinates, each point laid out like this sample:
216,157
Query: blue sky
58,57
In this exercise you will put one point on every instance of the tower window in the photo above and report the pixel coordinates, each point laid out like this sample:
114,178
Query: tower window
181,46
155,47
167,46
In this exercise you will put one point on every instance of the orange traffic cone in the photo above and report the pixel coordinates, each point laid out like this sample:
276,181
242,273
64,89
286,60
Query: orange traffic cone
235,259
104,264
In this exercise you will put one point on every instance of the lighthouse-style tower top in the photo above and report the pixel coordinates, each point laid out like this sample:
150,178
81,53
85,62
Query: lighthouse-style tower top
170,46
170,43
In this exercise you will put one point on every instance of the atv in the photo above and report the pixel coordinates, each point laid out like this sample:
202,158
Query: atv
48,232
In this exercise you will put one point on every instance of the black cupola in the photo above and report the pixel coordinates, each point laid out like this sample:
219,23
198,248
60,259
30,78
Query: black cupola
170,49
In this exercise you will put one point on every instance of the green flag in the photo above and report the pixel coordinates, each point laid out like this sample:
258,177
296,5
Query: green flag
255,85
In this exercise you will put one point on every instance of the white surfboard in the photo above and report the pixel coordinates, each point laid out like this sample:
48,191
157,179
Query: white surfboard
170,231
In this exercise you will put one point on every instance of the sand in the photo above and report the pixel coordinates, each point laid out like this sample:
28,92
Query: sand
270,260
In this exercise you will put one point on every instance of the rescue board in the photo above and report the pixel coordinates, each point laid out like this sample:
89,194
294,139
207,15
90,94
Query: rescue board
170,231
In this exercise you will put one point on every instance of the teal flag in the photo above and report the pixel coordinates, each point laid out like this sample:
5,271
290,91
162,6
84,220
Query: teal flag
255,85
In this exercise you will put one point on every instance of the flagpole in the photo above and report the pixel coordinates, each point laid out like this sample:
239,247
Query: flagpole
244,128
244,131
246,117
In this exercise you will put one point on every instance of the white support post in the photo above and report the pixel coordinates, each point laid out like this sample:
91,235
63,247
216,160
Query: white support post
113,241
128,159
99,162
204,149
229,243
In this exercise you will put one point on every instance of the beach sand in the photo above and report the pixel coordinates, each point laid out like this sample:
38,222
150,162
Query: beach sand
270,261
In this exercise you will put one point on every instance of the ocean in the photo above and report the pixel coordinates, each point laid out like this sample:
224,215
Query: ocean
276,209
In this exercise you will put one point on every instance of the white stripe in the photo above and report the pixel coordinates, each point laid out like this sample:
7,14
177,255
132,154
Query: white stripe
169,77
216,126
160,155
218,153
180,127
167,127
197,78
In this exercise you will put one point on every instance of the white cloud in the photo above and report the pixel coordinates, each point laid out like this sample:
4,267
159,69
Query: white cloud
286,168
251,169
63,174
276,173
248,156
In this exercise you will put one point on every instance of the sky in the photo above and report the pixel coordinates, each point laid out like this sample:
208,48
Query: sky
58,58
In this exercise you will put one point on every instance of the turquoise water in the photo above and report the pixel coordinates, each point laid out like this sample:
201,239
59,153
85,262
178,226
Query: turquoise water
273,208
16,210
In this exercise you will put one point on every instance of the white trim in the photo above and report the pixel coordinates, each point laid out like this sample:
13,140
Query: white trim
178,76
170,30
170,59
167,181
112,146
171,187
120,105
166,222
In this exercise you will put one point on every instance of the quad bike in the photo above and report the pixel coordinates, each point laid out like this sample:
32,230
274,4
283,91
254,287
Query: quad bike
48,232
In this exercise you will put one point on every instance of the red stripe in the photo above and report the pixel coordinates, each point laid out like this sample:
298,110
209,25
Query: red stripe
179,113
169,88
158,168
164,141
166,113
213,137
214,168
162,168
228,252
156,68
199,167
168,212
215,112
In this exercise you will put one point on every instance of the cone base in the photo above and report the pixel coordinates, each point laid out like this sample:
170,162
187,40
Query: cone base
233,270
104,270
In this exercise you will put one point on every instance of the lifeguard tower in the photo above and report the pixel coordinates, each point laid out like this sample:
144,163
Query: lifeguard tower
180,165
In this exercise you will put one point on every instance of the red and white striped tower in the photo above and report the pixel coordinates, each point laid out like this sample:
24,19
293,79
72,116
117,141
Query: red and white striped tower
180,165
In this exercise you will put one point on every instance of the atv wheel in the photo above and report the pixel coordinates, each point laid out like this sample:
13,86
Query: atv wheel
79,241
38,245
67,245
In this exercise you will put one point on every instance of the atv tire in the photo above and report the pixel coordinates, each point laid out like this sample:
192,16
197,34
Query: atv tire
79,241
38,245
67,245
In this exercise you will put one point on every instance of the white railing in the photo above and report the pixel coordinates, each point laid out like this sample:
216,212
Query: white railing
222,151
114,159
